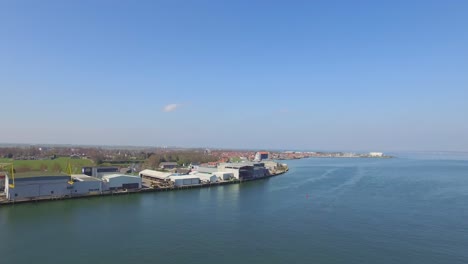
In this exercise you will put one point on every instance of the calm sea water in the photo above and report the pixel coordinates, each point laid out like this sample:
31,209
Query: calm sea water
323,211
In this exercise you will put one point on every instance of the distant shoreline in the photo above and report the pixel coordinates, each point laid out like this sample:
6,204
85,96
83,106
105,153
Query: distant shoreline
340,157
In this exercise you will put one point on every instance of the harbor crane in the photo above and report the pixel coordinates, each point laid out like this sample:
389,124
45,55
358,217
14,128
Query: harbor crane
69,172
11,171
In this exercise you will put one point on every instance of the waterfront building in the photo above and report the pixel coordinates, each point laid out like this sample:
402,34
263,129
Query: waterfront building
224,175
158,176
185,180
241,171
206,177
85,185
376,154
120,181
36,185
259,171
263,155
244,170
270,165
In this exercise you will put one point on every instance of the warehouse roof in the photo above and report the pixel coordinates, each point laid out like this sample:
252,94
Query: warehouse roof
36,174
156,174
206,169
83,177
223,173
237,165
39,176
185,177
110,176
205,176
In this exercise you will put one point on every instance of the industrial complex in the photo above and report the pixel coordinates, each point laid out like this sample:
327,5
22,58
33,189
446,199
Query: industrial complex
35,186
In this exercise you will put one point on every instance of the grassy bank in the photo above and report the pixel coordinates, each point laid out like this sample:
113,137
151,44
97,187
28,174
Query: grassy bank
58,165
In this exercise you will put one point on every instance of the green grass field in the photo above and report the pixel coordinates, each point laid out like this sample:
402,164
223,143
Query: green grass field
58,165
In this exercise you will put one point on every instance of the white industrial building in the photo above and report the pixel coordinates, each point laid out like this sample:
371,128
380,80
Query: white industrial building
244,170
120,181
36,185
376,154
223,175
84,185
184,180
207,177
159,176
238,170
263,155
220,175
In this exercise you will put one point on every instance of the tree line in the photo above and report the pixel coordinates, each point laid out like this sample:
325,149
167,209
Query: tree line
181,157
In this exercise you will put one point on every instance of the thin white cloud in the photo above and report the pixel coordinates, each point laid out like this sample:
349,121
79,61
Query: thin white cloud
171,107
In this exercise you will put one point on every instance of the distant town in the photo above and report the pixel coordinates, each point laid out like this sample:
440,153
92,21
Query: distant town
36,173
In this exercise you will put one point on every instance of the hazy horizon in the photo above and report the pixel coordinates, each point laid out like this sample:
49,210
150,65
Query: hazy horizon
318,75
117,146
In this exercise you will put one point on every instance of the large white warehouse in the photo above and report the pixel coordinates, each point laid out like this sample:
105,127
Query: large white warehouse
224,176
184,180
244,170
207,177
153,175
120,181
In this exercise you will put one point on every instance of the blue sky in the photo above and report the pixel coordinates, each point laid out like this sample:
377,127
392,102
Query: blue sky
319,75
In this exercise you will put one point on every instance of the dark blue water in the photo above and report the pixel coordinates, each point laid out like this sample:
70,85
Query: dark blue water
322,211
